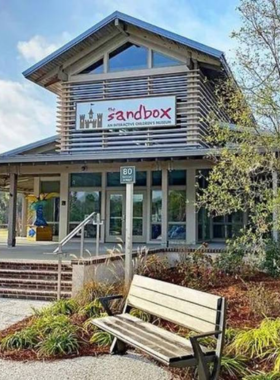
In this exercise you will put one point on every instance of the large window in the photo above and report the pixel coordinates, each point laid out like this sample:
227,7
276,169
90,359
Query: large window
82,204
95,68
85,180
220,227
128,57
156,213
177,215
162,60
113,179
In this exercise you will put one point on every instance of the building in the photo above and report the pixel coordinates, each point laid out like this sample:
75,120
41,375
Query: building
129,93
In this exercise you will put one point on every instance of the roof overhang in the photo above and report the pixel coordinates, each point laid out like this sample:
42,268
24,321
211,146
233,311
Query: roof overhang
54,63
108,156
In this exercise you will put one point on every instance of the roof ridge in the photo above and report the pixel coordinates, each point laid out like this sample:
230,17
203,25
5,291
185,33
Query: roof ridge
129,19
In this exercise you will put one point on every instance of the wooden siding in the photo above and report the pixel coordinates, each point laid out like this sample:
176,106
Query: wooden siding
194,99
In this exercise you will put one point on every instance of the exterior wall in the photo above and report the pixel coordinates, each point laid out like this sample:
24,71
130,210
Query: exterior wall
194,100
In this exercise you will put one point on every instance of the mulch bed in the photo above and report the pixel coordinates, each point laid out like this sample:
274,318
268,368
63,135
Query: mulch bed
233,288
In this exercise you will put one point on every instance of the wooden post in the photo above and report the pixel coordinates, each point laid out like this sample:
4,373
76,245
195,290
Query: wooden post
12,210
128,234
24,216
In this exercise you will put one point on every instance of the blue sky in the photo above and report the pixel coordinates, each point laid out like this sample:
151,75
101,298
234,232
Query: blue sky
31,29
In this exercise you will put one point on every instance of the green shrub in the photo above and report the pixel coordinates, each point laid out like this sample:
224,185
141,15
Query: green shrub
271,263
262,376
49,323
20,340
59,342
140,314
93,309
64,307
261,302
233,367
93,290
258,342
102,338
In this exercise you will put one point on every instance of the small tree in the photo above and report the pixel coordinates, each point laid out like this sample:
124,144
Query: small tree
247,165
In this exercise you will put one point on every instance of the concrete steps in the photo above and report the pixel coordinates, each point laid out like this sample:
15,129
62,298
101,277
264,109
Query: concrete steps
34,280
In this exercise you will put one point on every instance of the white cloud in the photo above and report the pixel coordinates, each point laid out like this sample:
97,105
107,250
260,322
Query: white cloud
25,115
38,47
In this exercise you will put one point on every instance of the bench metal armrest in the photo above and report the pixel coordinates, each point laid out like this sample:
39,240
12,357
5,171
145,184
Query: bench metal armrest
205,335
105,302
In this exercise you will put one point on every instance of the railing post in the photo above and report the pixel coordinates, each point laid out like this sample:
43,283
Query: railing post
98,222
82,248
59,273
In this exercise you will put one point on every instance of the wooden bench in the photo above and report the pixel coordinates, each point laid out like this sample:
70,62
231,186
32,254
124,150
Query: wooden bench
195,310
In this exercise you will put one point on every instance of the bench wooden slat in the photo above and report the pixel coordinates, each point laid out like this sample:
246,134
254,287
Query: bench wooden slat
171,315
197,297
171,302
160,343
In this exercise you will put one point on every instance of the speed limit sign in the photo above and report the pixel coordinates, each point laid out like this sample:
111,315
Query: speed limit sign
127,174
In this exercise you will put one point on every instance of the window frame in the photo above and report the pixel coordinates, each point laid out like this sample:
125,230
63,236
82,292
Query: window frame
105,56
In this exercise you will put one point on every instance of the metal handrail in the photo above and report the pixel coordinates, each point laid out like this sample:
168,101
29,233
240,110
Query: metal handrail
73,233
58,250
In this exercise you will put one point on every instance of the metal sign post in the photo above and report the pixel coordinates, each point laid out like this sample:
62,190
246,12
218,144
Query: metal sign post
127,176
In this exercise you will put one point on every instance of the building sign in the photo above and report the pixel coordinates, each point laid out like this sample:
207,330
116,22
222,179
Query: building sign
127,174
126,113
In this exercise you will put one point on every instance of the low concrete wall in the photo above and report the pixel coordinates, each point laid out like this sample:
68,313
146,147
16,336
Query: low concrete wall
110,269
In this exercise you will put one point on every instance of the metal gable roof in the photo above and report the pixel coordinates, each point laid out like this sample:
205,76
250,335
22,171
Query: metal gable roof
131,20
28,147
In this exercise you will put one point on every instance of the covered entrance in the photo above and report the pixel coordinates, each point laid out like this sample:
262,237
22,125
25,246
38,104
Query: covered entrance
115,216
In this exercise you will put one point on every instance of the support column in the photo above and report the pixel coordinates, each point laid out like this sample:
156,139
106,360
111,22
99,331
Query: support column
103,207
164,214
24,216
64,205
275,209
12,210
36,186
191,209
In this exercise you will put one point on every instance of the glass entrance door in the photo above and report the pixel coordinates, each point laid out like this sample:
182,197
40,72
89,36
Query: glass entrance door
115,219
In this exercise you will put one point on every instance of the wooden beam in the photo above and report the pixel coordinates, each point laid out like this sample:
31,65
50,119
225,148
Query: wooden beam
12,210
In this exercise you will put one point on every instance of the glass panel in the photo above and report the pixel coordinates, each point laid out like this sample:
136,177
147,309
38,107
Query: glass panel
116,205
85,180
50,187
113,179
95,68
128,57
156,232
116,214
138,205
218,231
141,179
203,225
176,231
138,201
83,203
162,60
156,206
177,178
156,178
137,227
177,206
90,230
51,210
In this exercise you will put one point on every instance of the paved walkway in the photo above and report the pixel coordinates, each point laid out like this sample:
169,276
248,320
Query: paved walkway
129,367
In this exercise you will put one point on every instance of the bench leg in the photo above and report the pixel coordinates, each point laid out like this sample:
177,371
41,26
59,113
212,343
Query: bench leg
118,347
202,367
